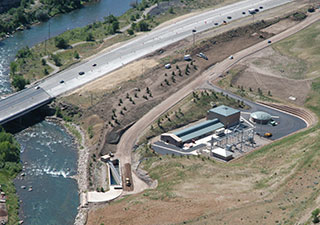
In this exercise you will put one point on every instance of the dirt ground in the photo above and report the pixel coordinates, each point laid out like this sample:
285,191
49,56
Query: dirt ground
107,109
279,27
270,187
271,71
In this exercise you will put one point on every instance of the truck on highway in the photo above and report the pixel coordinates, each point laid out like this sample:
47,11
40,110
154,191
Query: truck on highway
252,11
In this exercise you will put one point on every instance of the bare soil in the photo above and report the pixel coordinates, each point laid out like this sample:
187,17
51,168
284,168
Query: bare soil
271,72
280,26
269,187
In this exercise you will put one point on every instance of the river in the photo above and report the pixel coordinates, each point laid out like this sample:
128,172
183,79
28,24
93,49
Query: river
48,153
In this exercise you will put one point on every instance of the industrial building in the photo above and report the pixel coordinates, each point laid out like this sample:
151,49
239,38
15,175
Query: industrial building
222,153
227,115
260,117
193,133
217,118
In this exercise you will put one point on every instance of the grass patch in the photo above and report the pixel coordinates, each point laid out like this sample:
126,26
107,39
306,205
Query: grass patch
305,47
6,181
74,131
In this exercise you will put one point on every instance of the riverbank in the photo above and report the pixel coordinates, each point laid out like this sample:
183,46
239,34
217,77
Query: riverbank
82,164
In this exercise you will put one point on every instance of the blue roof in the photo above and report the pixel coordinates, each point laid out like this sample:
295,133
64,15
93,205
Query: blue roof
199,130
224,110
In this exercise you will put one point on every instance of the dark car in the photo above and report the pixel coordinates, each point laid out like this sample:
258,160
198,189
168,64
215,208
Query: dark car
229,17
216,24
61,81
202,55
243,13
269,41
194,30
81,73
261,7
94,64
257,10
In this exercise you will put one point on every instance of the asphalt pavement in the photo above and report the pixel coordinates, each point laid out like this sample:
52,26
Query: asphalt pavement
287,123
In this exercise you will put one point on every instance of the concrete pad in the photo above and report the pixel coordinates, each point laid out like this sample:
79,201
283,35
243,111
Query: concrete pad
94,196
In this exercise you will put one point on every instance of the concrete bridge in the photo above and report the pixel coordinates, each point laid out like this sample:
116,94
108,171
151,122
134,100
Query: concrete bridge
22,102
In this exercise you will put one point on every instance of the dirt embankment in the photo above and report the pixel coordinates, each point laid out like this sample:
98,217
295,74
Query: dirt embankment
110,104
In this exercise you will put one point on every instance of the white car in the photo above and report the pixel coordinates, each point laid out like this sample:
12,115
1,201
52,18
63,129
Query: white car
167,66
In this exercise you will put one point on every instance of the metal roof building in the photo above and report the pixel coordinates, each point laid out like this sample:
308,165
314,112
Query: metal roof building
224,110
199,130
227,115
192,133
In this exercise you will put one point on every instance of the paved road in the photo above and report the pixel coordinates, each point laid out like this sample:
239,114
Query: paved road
130,137
148,43
137,48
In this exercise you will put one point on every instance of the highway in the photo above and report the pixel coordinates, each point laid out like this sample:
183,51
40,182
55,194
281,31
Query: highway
128,52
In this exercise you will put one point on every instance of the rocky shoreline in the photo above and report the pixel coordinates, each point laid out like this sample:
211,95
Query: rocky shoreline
82,168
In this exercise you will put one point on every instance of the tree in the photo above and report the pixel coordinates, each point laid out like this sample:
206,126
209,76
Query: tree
76,55
89,37
143,26
56,60
42,15
171,10
45,71
19,82
19,17
60,42
115,26
13,68
110,19
24,53
130,31
315,215
43,62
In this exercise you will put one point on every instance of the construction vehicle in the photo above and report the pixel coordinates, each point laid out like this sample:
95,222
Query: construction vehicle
267,134
128,183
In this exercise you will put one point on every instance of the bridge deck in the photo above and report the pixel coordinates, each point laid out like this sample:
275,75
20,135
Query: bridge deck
22,103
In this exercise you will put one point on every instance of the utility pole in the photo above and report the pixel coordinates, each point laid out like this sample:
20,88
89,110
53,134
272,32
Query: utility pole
45,42
194,36
49,29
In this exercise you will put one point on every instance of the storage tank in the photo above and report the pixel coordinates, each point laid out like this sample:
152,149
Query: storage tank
260,117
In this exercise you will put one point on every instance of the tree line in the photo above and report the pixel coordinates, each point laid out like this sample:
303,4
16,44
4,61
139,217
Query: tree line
31,11
9,152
